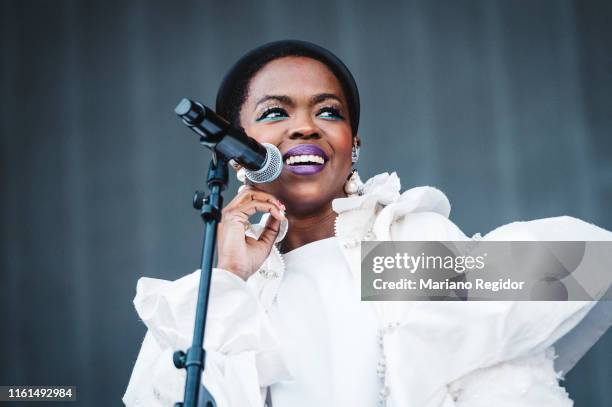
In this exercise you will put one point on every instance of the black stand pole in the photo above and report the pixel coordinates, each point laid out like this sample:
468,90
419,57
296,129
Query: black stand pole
210,210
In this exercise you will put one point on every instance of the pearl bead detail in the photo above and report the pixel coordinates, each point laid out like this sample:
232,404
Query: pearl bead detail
352,243
241,175
351,188
354,186
381,367
268,274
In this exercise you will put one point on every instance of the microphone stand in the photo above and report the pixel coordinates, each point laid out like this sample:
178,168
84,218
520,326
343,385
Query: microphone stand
225,142
196,395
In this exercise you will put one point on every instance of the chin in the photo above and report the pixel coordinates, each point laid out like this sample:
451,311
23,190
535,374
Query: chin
306,197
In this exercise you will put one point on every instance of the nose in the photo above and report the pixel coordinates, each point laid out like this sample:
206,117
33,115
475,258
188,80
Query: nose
305,129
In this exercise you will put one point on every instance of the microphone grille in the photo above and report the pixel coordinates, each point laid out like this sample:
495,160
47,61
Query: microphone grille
271,169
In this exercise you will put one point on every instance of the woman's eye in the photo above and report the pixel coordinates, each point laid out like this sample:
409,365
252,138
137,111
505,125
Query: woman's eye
330,113
274,113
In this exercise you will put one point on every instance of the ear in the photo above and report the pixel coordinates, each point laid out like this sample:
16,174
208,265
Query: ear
357,140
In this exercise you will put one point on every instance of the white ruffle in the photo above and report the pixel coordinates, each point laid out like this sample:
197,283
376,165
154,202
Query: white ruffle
242,352
527,382
414,200
456,339
382,188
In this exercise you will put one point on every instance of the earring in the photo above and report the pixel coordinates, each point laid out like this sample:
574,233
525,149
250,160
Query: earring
355,154
241,175
240,171
353,185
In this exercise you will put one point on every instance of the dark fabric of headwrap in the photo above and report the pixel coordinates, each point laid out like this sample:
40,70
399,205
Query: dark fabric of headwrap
233,90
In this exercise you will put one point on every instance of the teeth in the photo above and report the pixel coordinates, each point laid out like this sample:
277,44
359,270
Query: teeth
304,159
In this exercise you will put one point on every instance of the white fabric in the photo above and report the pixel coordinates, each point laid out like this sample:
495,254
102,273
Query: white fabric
525,381
437,354
328,336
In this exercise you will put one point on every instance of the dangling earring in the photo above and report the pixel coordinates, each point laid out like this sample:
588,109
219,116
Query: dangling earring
353,185
355,154
240,173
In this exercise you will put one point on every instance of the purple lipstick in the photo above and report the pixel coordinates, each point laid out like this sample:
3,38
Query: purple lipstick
305,159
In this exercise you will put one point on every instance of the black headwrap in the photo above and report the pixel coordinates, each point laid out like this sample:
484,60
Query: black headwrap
233,90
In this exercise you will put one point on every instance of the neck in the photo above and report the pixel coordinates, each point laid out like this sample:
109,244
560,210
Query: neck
309,228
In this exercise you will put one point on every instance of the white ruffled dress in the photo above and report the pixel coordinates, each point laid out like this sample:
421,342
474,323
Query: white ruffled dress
296,333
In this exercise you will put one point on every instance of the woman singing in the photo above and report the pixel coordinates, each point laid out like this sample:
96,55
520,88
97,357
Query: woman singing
286,326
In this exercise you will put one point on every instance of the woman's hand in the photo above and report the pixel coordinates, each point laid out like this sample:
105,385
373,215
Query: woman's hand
238,253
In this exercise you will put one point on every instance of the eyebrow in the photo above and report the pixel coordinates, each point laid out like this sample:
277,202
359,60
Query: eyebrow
288,101
322,97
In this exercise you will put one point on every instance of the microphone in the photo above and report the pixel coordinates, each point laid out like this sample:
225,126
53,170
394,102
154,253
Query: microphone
262,162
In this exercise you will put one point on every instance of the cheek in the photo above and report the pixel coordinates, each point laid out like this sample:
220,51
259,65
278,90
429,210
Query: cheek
343,142
265,134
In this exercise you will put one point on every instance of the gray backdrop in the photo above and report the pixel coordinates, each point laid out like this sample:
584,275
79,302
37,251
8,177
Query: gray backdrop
505,106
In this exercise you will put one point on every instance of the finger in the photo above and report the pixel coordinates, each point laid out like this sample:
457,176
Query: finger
254,197
243,212
250,194
253,207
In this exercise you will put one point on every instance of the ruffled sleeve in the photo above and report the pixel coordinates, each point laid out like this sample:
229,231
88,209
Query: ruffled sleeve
455,339
419,213
243,355
589,327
